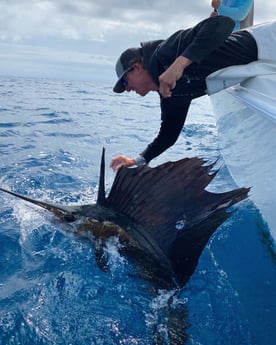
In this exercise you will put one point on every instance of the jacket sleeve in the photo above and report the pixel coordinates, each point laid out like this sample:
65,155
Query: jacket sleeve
174,112
206,37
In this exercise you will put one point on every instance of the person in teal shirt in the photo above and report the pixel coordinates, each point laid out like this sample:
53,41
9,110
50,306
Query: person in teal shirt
241,11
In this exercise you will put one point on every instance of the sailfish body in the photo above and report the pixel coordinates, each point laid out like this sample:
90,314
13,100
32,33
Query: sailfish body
163,212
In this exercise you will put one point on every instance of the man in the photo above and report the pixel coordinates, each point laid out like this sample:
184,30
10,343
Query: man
177,68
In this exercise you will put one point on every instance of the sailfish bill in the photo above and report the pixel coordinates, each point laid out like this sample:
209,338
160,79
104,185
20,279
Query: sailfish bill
164,212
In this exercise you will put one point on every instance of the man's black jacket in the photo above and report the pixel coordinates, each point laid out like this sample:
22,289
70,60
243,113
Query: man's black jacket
210,45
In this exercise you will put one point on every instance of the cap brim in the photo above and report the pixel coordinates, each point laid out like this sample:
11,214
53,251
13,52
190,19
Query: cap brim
119,87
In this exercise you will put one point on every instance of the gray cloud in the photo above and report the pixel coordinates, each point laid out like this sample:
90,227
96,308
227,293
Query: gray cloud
96,20
97,28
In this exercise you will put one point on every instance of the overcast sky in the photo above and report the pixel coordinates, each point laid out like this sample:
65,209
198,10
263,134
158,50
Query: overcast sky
82,39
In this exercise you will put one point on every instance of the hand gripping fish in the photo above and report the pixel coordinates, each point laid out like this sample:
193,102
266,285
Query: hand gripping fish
164,214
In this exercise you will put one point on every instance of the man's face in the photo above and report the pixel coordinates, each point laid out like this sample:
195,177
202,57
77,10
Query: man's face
139,80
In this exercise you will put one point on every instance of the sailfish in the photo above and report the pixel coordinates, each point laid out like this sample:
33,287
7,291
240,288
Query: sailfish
163,214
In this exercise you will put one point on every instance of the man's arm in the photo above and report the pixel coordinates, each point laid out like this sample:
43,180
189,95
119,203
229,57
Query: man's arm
193,46
174,112
206,37
168,79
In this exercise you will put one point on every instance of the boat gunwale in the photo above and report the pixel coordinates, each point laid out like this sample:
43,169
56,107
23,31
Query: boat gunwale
254,99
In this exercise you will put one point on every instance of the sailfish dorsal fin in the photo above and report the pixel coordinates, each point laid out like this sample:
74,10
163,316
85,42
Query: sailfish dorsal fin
101,200
171,210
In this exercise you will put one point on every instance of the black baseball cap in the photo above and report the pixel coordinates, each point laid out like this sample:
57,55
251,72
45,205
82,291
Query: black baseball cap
124,65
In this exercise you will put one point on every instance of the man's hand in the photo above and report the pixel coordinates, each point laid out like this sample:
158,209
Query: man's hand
169,78
119,161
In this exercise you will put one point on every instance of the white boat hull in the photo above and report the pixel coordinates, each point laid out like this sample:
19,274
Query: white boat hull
246,121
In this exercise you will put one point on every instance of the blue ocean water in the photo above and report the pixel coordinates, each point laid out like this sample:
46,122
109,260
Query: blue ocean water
51,289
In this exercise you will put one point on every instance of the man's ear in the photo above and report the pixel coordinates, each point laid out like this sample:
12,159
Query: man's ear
138,66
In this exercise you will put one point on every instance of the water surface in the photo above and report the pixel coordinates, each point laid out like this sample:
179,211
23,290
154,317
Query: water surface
51,289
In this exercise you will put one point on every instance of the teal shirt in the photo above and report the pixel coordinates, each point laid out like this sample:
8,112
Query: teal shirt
235,9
